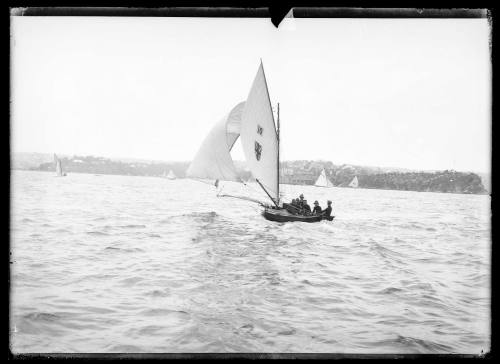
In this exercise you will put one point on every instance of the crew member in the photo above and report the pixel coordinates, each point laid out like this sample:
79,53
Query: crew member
328,210
317,208
292,207
306,208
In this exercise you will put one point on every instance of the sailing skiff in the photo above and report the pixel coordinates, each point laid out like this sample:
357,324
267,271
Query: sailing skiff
354,183
171,175
323,181
59,170
253,121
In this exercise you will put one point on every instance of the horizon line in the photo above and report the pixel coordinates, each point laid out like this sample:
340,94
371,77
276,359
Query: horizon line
242,161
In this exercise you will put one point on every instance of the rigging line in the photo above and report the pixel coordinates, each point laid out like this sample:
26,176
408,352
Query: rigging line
272,199
200,180
244,198
257,191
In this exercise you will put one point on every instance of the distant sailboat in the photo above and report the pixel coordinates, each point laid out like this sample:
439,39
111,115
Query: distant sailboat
323,181
354,183
253,121
59,170
171,175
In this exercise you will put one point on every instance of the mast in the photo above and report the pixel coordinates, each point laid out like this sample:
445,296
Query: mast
278,138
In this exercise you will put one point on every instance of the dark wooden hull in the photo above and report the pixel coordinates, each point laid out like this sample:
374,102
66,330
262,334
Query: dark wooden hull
282,215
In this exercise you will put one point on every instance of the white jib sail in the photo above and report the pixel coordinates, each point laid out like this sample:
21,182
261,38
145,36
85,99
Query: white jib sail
213,160
323,181
354,182
259,137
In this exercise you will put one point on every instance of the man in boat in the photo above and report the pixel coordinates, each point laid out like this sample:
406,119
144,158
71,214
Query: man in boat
328,211
317,208
292,207
301,200
306,208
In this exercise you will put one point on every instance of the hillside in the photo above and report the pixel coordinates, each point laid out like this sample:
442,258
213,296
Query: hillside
292,172
100,165
29,160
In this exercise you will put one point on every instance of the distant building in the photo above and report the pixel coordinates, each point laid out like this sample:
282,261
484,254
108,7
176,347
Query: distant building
299,178
347,167
316,166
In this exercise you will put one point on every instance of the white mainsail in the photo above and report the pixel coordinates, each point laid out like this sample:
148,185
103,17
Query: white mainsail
59,171
259,137
171,175
354,182
213,160
323,181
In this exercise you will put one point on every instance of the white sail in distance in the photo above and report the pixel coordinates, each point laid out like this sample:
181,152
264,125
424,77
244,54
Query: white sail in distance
354,183
259,137
213,159
171,175
323,181
59,171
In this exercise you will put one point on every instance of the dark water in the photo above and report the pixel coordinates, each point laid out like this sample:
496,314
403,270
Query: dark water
143,264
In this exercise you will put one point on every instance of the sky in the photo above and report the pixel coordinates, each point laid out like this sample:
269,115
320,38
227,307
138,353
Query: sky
409,93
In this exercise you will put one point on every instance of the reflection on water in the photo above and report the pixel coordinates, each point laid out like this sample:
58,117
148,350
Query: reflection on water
143,264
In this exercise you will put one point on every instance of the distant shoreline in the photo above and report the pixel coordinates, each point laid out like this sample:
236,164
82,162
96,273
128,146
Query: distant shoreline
296,172
284,184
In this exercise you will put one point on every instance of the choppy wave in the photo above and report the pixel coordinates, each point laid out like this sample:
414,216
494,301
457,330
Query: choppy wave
97,233
414,345
176,269
126,250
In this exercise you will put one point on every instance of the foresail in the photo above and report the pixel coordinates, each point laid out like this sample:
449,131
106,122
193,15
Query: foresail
233,124
259,137
213,160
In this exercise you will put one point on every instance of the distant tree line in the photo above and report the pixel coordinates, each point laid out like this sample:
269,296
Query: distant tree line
375,177
98,165
443,181
440,181
339,175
